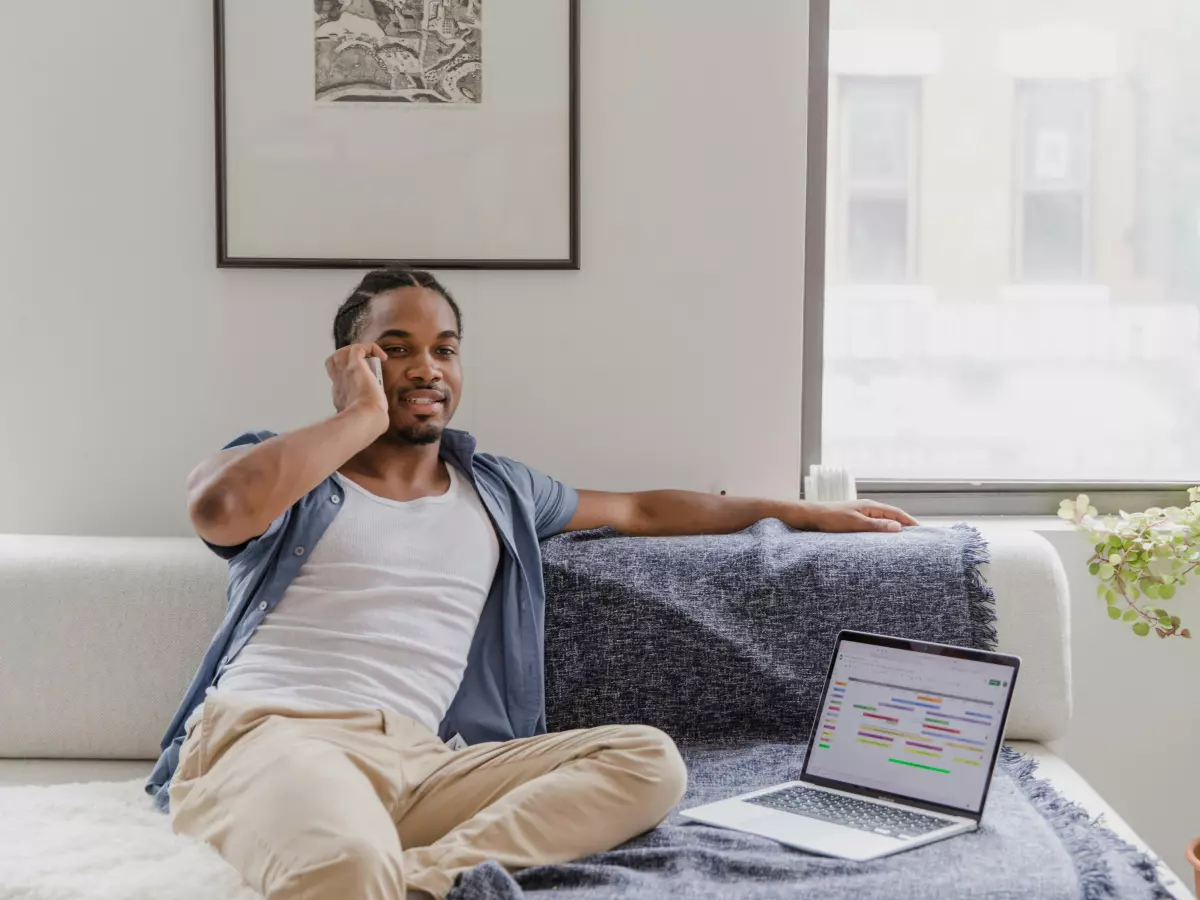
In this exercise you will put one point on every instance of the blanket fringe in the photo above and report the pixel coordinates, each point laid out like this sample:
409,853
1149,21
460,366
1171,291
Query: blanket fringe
1088,842
981,600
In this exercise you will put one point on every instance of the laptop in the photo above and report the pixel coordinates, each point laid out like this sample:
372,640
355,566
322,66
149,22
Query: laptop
901,754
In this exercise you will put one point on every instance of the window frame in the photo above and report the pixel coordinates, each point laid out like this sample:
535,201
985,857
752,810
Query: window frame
1023,186
851,189
921,497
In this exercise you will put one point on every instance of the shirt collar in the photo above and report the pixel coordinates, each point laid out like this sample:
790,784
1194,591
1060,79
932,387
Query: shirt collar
458,447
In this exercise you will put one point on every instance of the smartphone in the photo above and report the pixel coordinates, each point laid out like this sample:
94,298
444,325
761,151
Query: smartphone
376,365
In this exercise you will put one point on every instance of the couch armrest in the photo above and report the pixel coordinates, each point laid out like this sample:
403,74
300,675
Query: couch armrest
1032,604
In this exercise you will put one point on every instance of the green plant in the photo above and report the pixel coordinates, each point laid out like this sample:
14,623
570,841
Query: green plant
1140,559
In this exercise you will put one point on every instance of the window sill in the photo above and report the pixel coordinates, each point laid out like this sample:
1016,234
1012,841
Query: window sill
1016,501
1041,524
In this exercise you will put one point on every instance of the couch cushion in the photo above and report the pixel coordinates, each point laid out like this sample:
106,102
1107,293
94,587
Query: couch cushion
156,863
1060,852
71,771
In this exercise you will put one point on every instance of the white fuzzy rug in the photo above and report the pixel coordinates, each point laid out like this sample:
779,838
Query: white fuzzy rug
103,841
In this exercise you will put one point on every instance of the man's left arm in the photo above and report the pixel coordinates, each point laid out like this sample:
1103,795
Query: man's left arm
664,513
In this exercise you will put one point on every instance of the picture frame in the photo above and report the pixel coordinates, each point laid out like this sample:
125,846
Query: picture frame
436,143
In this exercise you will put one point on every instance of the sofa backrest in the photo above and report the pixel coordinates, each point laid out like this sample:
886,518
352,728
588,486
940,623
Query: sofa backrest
99,638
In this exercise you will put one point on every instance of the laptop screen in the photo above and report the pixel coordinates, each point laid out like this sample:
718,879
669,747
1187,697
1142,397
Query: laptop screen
914,724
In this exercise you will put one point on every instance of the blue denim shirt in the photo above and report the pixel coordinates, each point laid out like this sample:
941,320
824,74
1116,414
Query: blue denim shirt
502,695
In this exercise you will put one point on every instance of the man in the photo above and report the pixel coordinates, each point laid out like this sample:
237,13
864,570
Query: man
386,597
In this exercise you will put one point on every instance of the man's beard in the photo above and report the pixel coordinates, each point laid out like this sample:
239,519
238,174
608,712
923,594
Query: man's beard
419,435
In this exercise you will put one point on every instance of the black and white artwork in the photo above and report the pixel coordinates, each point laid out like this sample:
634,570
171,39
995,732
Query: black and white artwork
315,170
399,51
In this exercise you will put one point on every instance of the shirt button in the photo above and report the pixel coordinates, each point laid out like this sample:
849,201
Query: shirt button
335,499
299,551
262,605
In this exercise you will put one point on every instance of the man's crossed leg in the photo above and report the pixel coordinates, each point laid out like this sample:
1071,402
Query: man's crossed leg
323,804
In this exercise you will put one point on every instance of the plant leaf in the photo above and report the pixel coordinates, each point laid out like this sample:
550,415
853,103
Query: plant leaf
1141,629
1114,613
1130,615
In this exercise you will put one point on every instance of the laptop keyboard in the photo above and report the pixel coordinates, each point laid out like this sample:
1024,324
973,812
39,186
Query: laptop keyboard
851,812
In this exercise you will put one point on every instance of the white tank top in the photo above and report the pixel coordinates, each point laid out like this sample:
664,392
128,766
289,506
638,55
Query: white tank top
382,613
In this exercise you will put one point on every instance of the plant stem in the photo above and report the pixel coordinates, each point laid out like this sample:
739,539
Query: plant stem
1120,577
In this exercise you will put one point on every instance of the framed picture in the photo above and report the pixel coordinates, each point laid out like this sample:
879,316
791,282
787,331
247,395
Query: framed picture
442,134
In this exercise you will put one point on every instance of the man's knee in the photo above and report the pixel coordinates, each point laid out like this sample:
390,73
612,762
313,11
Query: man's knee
354,868
663,773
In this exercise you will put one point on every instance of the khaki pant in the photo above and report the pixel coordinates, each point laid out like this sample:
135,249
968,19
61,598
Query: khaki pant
341,804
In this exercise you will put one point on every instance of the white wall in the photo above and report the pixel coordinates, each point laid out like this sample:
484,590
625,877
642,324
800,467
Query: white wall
1134,733
671,360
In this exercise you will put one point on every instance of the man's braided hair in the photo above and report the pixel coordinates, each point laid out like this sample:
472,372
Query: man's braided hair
352,317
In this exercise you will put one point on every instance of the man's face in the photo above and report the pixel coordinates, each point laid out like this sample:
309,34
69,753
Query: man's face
422,375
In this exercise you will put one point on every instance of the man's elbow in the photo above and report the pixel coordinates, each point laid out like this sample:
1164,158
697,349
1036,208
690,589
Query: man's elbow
217,516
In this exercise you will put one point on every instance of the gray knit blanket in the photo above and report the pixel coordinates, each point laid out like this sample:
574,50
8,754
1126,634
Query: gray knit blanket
723,642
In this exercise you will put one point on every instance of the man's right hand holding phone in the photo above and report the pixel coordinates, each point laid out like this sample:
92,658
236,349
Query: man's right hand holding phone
356,388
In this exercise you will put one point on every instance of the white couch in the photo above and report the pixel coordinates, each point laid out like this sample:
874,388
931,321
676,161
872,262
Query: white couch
100,637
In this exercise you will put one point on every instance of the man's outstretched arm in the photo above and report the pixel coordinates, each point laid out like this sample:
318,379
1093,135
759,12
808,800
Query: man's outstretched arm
663,513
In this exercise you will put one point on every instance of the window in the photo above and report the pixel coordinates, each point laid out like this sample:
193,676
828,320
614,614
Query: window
1040,334
878,175
1053,177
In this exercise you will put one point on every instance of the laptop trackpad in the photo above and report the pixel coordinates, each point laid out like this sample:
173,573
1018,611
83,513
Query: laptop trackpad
790,828
816,835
